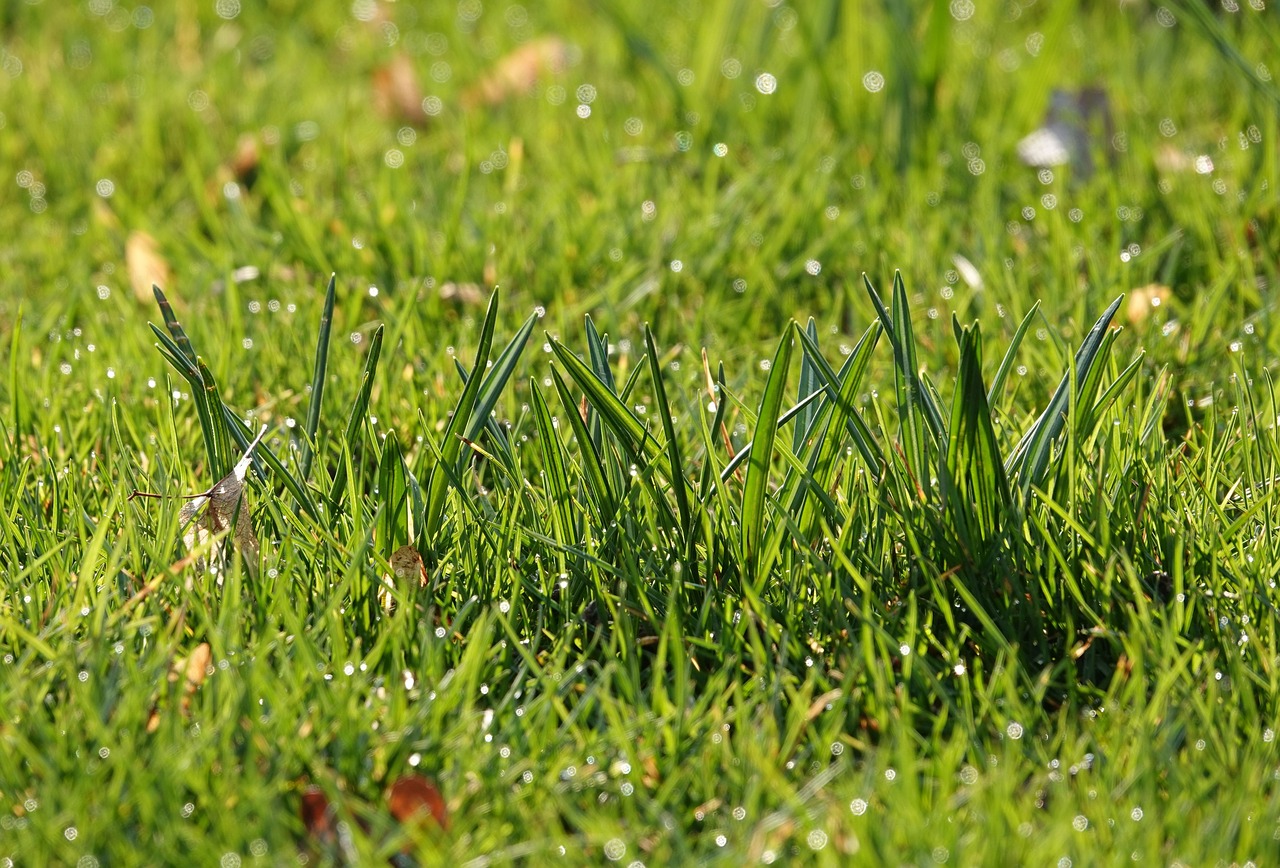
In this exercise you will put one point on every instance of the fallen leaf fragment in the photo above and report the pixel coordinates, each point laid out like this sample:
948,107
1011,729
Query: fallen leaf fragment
145,265
225,506
396,92
318,817
518,71
244,162
406,565
1145,299
413,798
195,668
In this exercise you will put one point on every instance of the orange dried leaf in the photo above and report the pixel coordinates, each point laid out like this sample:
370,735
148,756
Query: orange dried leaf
396,93
145,265
1145,299
244,162
413,797
518,71
198,665
318,816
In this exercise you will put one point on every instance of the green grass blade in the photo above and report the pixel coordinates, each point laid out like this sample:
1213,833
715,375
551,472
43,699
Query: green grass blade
755,487
1006,364
807,386
592,466
615,414
558,493
976,489
355,421
319,373
16,400
663,409
451,446
856,426
1030,458
392,496
495,379
175,328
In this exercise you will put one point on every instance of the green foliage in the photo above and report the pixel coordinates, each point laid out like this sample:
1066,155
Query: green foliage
959,572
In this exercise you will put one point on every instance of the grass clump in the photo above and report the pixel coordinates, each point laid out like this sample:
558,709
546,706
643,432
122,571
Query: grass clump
692,542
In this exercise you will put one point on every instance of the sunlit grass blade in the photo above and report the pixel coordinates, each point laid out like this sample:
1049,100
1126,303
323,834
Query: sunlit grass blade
755,486
664,411
918,417
392,494
811,400
976,490
853,421
451,446
808,385
16,401
1030,458
559,496
1010,355
356,419
175,328
496,377
592,466
318,377
613,413
844,412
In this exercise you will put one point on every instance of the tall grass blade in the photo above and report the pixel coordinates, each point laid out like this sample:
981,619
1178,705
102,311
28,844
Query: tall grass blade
1030,458
559,496
976,489
663,409
1010,355
393,491
355,421
451,446
755,487
319,372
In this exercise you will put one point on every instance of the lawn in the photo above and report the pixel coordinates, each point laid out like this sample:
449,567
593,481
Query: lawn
692,433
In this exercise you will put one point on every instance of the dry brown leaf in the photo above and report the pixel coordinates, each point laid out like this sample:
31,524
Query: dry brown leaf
198,666
518,71
195,668
406,565
145,265
208,516
465,293
396,92
318,817
413,798
1145,299
244,162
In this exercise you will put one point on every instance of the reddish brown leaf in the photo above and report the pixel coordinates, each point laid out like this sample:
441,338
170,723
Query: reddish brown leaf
413,797
396,93
517,72
1145,299
145,265
318,817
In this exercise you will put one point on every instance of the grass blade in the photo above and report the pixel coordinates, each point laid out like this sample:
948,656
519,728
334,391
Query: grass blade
1030,458
755,487
355,422
668,429
451,446
318,375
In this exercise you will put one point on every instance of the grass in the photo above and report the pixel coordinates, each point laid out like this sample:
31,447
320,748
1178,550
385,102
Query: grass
729,553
